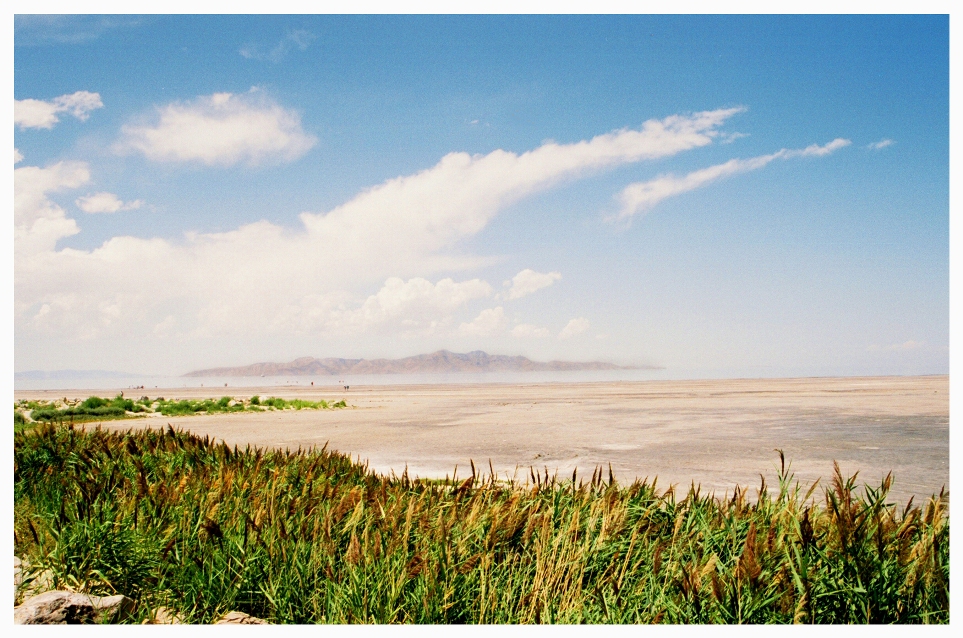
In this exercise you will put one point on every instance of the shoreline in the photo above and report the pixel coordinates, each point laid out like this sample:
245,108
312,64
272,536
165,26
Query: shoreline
716,433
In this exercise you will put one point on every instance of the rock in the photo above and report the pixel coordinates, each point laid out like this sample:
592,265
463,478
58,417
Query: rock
55,608
17,577
239,618
69,608
165,616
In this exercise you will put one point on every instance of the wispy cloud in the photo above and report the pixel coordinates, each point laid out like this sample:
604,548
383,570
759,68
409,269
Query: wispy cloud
105,203
299,39
220,129
729,138
32,113
641,196
39,30
883,143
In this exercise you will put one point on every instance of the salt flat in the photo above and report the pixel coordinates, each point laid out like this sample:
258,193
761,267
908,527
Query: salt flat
717,433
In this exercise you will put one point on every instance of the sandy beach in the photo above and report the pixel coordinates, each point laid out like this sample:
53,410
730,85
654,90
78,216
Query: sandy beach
717,433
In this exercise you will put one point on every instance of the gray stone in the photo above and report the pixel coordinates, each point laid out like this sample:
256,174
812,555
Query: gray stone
55,608
70,608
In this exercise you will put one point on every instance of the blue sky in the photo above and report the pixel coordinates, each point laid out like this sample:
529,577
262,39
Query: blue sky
730,195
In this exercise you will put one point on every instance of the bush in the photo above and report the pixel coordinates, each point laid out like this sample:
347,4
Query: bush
94,402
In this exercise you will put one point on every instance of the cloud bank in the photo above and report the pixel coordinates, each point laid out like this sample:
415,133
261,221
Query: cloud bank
318,278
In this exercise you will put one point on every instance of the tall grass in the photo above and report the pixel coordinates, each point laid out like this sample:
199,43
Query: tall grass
311,537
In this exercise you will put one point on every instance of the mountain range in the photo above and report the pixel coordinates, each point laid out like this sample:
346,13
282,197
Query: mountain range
442,361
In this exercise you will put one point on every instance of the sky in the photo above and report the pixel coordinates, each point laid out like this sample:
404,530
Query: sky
716,195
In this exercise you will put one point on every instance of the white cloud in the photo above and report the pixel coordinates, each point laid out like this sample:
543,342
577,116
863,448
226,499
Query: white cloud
39,222
574,328
40,114
105,203
17,156
815,150
262,278
487,323
642,196
528,281
883,143
527,330
220,129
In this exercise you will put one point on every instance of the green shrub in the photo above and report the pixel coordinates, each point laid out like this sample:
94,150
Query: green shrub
94,402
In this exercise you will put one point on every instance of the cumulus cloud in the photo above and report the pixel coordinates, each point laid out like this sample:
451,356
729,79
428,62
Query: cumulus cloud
488,322
32,113
642,196
528,281
222,129
17,156
341,271
574,328
528,330
105,203
299,39
38,222
883,143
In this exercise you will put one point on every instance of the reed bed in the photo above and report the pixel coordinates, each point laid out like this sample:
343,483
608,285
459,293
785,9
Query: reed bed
178,521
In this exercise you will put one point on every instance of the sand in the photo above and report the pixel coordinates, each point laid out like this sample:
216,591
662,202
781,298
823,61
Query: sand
718,433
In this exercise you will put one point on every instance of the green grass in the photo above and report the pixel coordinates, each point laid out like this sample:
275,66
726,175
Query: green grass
311,537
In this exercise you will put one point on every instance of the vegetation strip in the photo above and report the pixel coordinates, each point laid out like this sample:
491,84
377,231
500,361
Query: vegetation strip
98,409
173,520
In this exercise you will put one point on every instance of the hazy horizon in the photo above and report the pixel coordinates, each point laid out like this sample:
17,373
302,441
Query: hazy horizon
700,193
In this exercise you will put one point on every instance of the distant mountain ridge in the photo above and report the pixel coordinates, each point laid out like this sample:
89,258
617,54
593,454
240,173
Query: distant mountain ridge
442,361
